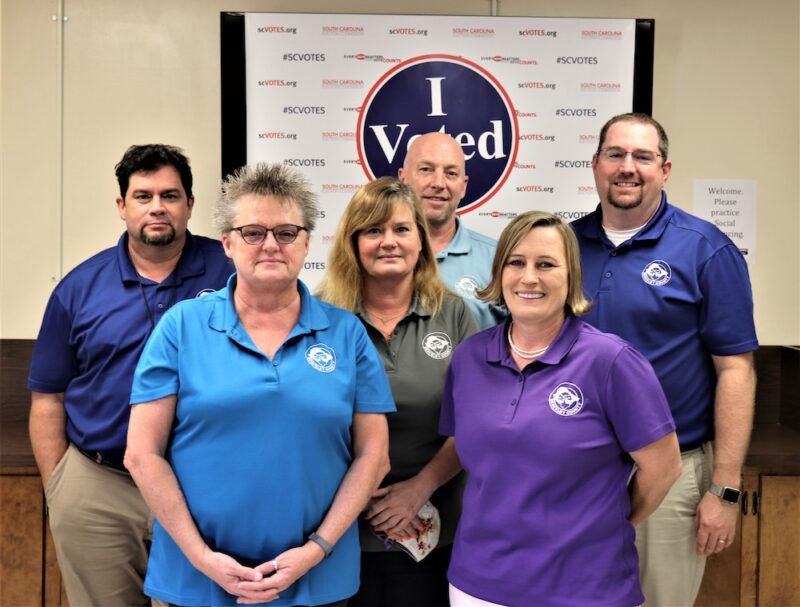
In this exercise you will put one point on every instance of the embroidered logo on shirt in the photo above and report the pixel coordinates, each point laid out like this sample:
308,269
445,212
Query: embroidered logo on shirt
466,287
657,273
205,292
321,357
437,345
566,399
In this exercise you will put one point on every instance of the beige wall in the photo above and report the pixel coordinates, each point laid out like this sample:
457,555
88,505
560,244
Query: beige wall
726,88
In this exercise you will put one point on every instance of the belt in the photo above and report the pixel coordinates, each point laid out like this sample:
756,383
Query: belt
112,458
692,446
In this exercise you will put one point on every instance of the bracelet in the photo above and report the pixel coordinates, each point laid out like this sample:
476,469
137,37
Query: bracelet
326,547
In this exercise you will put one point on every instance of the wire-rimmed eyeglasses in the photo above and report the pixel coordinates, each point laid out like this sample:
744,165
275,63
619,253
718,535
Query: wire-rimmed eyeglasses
618,155
285,233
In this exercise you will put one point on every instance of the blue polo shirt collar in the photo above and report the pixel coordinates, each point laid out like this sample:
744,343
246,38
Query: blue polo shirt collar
223,317
460,245
189,264
652,230
497,350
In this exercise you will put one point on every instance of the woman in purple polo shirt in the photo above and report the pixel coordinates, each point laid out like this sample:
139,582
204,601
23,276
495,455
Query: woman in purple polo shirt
549,415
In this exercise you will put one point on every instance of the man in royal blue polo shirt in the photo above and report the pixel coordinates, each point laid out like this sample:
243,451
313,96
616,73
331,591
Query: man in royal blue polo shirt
94,329
435,169
678,289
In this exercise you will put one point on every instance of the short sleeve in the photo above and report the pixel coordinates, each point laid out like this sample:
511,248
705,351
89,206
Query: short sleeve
373,393
54,362
635,403
156,373
726,318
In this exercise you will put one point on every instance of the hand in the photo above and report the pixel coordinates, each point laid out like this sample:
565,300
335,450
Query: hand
393,509
715,524
291,566
409,531
226,571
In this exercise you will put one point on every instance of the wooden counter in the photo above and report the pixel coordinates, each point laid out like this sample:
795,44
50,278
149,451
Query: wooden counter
758,569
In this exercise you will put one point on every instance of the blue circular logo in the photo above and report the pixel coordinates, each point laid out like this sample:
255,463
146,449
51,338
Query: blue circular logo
448,94
657,273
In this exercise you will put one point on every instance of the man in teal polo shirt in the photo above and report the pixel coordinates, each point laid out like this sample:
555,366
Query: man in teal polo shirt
434,168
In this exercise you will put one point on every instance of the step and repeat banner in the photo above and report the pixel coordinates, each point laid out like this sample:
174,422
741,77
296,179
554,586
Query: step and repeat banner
339,97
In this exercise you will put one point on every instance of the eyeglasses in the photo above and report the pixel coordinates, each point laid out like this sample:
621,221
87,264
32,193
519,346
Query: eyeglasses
618,155
286,233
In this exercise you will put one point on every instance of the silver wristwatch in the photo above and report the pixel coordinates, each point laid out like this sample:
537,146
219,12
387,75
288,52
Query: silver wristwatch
726,494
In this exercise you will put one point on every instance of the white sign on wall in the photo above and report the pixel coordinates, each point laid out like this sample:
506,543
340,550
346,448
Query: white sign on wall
730,204
340,97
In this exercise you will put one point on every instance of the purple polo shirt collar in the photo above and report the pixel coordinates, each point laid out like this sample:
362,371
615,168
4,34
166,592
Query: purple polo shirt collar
498,352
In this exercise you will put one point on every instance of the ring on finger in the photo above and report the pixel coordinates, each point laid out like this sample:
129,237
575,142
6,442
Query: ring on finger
275,564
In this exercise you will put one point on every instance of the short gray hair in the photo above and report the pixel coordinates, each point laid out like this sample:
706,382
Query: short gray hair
263,179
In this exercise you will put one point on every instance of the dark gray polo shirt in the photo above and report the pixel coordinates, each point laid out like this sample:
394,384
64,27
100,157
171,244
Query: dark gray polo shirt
416,362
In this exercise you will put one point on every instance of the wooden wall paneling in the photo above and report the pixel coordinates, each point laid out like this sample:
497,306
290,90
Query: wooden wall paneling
749,539
15,400
779,541
719,588
54,594
21,540
767,362
790,388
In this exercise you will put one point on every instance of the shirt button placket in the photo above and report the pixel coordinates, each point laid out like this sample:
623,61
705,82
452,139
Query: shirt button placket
511,409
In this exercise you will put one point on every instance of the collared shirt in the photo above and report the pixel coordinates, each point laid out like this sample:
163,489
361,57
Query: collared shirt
416,361
94,329
679,291
546,507
466,266
260,445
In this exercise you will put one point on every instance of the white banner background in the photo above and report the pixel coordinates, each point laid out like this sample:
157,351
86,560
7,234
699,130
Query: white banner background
309,74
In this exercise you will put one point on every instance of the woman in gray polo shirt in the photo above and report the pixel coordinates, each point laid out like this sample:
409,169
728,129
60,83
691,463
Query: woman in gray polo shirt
382,267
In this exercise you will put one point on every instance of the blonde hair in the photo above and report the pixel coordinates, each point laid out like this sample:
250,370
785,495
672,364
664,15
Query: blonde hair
263,179
518,229
374,204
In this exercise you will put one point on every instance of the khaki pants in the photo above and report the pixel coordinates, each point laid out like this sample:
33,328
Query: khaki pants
670,569
100,527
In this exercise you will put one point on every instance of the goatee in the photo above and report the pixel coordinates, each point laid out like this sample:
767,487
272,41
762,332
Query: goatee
158,240
625,206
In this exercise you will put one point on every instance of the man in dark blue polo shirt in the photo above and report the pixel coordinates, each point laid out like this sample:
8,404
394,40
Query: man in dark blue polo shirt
94,329
677,288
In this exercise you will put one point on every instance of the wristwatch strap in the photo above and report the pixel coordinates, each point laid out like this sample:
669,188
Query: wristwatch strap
730,495
326,547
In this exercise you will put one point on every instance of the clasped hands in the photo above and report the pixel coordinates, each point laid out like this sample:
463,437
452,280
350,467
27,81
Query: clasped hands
262,583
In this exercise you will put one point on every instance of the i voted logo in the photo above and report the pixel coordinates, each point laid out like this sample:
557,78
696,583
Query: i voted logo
450,95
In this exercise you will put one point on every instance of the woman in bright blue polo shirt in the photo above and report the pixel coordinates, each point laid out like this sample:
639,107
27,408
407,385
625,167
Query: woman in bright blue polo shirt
258,431
549,415
382,267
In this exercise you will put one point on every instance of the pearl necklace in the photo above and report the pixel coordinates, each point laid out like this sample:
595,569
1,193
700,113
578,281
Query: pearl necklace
526,354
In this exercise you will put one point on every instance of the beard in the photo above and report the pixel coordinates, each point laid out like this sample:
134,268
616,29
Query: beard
624,205
158,240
